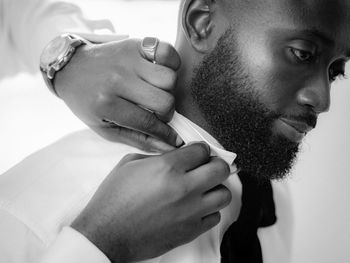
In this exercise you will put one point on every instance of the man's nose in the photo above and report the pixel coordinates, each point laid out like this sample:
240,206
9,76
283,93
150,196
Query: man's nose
316,95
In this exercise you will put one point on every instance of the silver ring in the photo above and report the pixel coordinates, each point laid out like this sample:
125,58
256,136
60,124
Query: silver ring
149,47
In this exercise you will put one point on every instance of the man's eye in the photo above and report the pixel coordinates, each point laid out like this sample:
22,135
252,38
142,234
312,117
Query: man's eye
302,55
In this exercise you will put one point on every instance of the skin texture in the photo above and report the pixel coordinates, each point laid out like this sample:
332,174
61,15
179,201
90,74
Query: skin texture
178,194
119,84
224,92
289,79
290,65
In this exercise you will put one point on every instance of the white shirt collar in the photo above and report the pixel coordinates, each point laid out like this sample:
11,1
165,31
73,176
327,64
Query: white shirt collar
190,132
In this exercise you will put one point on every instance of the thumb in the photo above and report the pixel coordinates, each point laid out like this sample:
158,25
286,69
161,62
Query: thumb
165,54
136,139
132,157
102,38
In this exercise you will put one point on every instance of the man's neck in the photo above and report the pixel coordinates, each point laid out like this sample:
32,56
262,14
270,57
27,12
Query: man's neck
188,108
185,104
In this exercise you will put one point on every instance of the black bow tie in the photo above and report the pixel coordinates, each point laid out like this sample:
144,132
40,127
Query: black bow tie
240,243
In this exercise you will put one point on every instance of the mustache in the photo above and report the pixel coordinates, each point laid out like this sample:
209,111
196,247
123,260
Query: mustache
309,118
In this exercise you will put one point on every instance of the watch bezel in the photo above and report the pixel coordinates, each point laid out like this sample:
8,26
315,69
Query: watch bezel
49,58
51,66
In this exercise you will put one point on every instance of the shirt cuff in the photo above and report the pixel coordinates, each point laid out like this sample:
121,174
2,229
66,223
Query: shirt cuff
72,247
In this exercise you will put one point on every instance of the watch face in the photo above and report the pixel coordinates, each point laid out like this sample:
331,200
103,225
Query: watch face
55,50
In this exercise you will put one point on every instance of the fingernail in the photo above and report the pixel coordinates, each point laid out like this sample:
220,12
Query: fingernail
203,143
179,141
206,146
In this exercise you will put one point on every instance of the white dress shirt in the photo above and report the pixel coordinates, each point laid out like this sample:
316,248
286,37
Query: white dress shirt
42,195
26,26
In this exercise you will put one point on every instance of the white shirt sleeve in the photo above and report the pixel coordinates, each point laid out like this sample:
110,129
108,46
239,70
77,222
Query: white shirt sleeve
72,247
26,26
20,243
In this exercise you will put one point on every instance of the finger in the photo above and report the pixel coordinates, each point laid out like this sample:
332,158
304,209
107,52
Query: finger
102,38
216,199
157,75
165,55
133,138
209,221
189,157
131,157
128,115
209,175
162,103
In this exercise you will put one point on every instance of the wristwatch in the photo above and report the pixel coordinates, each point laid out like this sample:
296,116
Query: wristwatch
56,56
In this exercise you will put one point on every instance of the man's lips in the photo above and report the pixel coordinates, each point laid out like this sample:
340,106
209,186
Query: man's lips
295,129
300,126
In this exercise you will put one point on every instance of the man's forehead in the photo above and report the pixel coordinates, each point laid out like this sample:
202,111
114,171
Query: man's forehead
331,18
330,11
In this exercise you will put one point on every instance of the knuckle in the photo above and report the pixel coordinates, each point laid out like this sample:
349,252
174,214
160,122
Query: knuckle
165,165
173,176
216,218
133,42
166,51
213,220
201,149
167,133
149,122
172,77
182,190
226,196
126,47
169,78
177,189
115,79
102,99
148,143
167,104
101,104
144,146
167,117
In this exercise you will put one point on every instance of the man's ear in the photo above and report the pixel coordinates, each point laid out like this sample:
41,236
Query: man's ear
198,25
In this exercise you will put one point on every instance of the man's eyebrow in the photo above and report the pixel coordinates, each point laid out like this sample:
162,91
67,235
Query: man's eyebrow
326,39
314,32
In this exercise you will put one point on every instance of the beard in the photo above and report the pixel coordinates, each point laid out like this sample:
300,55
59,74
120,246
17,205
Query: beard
226,96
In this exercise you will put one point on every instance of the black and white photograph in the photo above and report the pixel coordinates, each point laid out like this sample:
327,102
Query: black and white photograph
174,131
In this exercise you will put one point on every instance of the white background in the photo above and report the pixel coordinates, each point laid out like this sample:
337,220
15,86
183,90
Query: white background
31,118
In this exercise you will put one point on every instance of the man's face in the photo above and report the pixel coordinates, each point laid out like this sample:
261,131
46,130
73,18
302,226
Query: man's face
263,86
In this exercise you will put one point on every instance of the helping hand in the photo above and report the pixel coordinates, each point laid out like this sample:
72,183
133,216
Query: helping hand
150,205
110,87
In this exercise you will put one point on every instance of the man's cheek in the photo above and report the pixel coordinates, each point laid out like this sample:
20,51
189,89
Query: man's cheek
279,87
